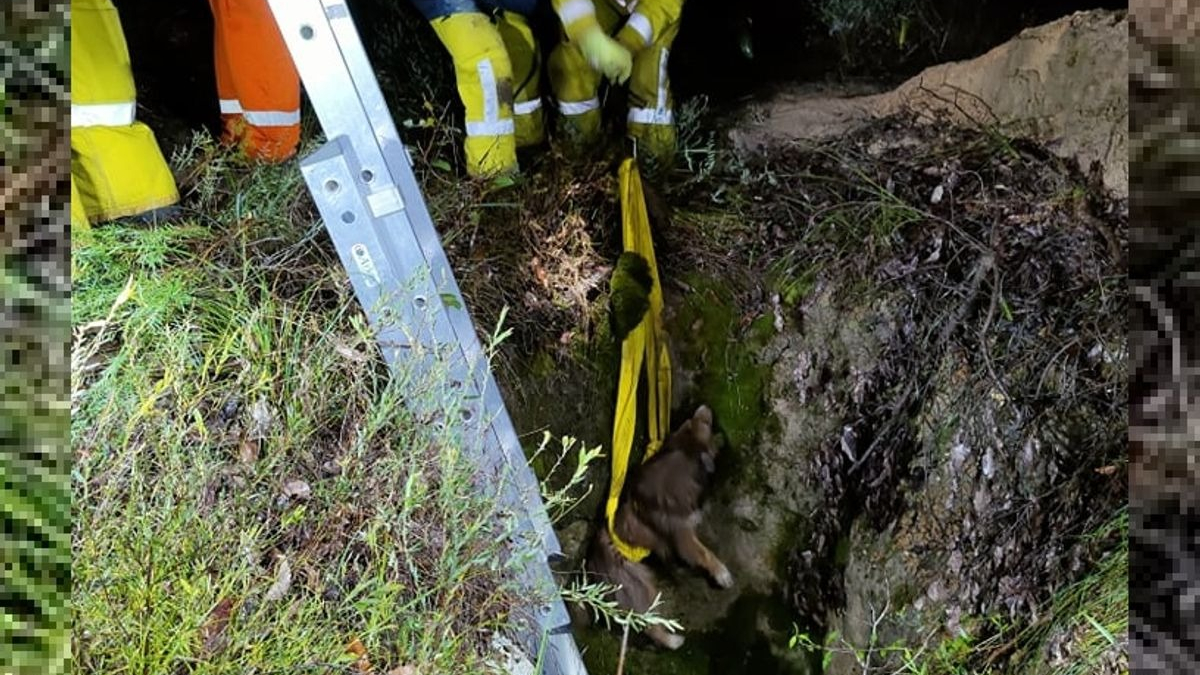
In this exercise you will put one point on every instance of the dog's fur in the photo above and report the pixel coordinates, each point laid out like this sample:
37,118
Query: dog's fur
659,510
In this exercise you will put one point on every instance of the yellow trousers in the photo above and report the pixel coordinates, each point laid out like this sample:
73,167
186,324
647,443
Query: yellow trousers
496,70
117,169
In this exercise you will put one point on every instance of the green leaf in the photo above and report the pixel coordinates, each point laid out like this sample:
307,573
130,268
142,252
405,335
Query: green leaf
450,300
832,637
1005,309
1101,629
440,164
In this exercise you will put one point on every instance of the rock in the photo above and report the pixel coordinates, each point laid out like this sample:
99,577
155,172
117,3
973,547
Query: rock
283,581
1064,83
296,489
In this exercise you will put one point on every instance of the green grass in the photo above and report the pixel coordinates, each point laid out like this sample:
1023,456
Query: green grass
1092,614
220,366
1082,629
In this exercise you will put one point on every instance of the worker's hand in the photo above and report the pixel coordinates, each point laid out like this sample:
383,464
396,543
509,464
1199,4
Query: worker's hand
606,55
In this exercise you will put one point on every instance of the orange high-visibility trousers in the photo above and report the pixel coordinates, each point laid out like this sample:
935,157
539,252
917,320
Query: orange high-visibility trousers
257,82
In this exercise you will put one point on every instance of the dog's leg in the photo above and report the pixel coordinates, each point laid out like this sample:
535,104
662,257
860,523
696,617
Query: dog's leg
695,553
664,637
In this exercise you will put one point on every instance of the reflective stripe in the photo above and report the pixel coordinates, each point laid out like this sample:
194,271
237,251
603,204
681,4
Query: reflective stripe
260,118
497,128
491,125
578,107
103,114
641,24
575,10
272,118
491,96
651,116
527,107
660,114
662,80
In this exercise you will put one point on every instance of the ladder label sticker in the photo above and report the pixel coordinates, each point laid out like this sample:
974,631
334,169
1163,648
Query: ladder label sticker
365,264
336,10
385,202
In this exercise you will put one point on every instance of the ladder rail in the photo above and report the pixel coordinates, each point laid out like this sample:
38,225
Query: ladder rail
371,204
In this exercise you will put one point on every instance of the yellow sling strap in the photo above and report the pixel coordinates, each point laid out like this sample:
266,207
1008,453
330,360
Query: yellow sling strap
645,344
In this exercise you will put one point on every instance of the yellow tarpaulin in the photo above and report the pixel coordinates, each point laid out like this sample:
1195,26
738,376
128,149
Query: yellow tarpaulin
645,345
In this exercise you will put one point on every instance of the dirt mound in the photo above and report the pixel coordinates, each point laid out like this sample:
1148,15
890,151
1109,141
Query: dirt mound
1064,84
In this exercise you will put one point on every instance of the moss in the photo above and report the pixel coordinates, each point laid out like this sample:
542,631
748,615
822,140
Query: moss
792,281
542,365
711,337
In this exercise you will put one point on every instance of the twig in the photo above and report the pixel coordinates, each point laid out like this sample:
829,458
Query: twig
624,646
985,127
878,619
984,348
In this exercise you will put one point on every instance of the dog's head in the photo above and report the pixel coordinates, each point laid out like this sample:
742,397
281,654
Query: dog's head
695,437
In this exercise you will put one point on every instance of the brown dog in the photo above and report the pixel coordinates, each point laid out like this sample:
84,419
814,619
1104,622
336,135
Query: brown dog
660,509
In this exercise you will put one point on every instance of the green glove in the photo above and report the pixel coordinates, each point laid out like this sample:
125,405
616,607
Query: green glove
606,55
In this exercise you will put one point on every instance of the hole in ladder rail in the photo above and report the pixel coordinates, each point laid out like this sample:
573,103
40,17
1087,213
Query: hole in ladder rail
367,175
467,414
307,32
348,217
420,302
332,186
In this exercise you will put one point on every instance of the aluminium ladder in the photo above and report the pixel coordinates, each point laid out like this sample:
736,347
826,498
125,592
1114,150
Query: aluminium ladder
362,182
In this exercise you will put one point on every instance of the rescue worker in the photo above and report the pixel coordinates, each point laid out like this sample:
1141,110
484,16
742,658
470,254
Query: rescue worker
257,83
497,70
645,30
117,168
